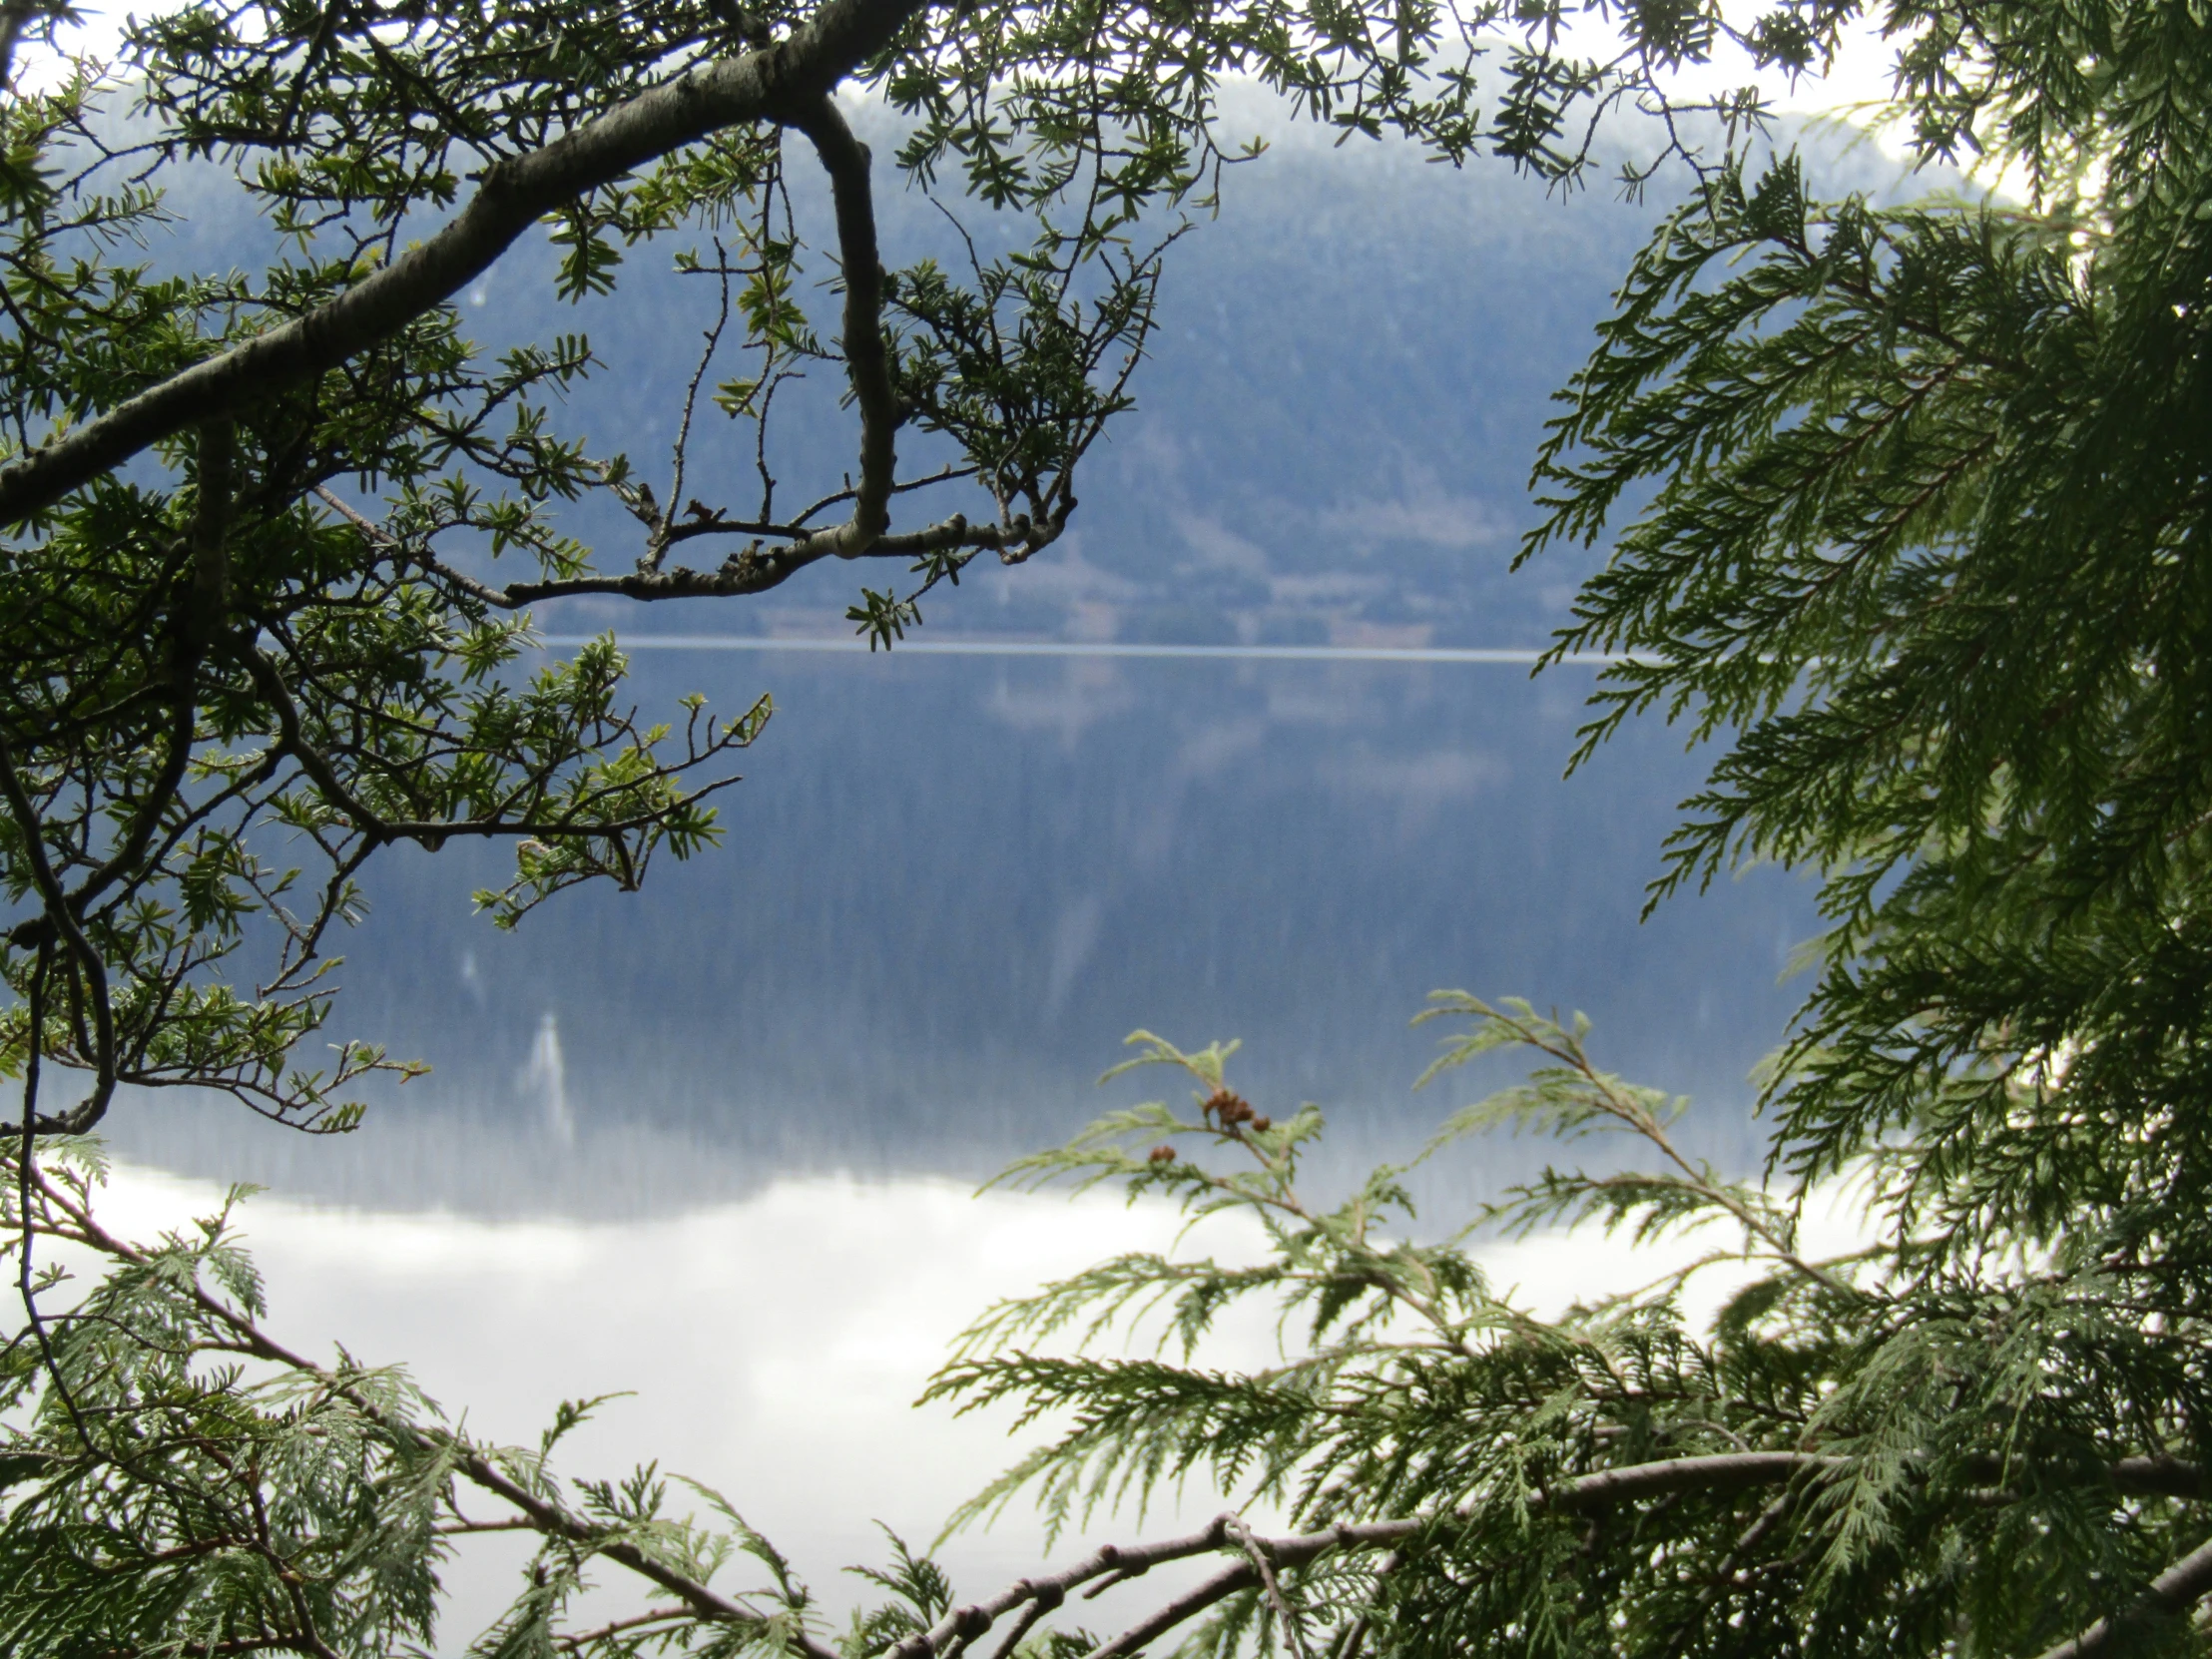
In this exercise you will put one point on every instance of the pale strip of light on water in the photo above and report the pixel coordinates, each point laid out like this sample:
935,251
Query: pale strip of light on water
772,1348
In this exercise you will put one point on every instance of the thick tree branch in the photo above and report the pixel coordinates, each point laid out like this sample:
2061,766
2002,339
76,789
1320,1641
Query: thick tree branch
845,158
14,18
786,82
2169,1595
2188,1580
1725,1472
754,571
1731,1471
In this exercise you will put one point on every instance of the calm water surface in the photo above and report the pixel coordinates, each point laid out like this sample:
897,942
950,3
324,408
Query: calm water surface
952,884
715,1142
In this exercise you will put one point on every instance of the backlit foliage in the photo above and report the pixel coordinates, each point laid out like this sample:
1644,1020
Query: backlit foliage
1904,508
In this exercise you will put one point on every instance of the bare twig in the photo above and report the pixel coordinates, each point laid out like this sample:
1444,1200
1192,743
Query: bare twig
657,543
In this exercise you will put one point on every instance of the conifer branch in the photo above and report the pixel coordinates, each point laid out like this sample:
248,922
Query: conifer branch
544,1516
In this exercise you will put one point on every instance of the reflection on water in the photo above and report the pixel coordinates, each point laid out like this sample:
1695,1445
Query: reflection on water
544,1076
713,1142
952,884
771,1347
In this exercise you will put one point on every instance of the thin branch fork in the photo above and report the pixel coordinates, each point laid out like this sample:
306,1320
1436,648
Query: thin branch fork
750,572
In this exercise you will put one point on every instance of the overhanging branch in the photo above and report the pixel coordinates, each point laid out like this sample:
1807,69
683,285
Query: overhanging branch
755,570
787,82
1725,1472
1722,1474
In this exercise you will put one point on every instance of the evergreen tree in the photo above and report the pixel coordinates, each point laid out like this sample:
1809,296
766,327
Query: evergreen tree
1908,502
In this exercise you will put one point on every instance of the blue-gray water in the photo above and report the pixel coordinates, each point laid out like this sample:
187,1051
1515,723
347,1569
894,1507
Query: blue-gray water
951,884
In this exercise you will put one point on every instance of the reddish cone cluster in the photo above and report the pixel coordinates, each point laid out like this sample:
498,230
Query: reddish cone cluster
1228,1108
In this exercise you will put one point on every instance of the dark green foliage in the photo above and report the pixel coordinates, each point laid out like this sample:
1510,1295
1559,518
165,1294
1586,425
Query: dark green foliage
1909,501
1929,483
1924,552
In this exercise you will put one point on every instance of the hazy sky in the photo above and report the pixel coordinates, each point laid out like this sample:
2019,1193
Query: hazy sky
1860,72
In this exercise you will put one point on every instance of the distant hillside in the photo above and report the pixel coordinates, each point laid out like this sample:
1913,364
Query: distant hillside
949,886
1332,437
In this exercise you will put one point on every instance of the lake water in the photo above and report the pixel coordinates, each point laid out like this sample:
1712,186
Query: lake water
718,1142
715,1142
